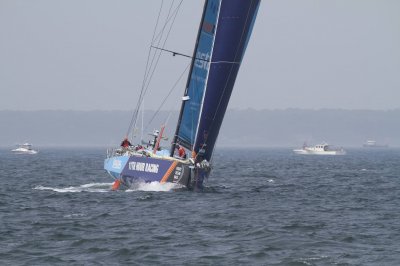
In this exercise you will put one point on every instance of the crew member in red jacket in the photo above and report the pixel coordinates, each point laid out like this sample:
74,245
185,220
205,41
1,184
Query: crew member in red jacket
125,143
181,152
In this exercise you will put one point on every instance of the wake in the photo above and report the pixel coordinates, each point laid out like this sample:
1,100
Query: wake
91,187
154,186
106,187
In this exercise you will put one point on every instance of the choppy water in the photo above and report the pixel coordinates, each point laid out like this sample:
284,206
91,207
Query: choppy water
261,207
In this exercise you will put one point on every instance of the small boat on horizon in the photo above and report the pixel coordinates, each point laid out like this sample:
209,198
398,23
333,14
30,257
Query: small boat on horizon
25,148
374,144
320,149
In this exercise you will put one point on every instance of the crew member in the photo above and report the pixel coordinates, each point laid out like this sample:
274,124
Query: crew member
181,152
125,143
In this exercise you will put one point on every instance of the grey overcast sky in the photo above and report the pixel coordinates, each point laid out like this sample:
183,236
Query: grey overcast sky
91,54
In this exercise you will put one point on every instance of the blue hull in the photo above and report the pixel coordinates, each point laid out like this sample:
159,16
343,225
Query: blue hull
132,169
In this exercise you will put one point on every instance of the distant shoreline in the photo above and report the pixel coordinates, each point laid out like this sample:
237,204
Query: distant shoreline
241,128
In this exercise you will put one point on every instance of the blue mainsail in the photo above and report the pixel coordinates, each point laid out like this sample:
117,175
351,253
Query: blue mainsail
198,77
224,32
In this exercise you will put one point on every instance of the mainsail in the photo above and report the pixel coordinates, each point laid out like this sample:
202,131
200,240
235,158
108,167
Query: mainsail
224,32
196,85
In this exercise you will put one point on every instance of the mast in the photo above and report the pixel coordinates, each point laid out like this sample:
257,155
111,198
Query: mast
188,80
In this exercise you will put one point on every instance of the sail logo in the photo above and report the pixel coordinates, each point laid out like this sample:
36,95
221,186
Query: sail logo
117,164
144,167
208,27
202,60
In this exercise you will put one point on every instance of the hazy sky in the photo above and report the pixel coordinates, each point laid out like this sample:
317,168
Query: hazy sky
91,54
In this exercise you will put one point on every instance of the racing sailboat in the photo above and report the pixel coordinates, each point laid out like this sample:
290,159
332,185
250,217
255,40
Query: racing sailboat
223,35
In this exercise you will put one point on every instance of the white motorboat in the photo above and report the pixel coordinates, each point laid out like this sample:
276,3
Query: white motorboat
25,148
320,149
374,144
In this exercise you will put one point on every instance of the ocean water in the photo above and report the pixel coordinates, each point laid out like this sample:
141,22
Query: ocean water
260,207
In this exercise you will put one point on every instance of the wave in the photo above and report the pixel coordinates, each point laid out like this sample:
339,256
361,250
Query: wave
91,187
154,186
106,187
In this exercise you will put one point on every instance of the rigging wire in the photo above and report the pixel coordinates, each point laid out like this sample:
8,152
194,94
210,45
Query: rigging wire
147,62
151,69
159,54
159,37
147,71
157,61
166,97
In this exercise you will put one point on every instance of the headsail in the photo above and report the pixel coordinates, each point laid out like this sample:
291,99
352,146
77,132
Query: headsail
225,30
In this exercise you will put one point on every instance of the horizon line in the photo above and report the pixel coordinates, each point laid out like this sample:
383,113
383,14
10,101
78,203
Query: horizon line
229,109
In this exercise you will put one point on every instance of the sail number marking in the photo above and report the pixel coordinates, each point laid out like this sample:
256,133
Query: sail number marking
178,173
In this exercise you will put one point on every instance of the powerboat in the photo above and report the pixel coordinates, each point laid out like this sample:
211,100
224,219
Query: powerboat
25,148
374,144
320,149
